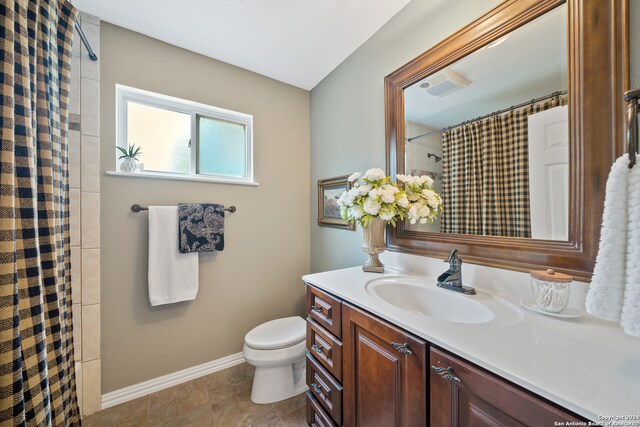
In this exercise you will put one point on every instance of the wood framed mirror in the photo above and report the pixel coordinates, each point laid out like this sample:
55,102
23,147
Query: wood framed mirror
585,90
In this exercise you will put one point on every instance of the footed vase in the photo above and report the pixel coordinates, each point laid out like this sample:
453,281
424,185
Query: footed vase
373,244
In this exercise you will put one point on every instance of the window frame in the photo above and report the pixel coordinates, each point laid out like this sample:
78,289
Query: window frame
125,94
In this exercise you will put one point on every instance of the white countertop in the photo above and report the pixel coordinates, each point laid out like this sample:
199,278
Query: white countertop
586,365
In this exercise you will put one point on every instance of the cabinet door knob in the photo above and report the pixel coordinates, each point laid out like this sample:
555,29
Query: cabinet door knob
317,348
315,387
316,309
402,348
447,373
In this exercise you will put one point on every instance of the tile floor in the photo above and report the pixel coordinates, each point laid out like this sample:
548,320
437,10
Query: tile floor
220,399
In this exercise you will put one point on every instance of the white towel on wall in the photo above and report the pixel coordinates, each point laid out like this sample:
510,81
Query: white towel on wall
606,291
173,277
631,305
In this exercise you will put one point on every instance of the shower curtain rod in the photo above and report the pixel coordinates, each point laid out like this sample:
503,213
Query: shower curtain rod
513,107
92,54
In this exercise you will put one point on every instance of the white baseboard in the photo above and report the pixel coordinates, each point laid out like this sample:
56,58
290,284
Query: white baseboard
142,389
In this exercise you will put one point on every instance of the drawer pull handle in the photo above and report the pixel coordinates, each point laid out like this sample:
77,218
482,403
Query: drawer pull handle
402,348
316,309
317,348
447,373
315,387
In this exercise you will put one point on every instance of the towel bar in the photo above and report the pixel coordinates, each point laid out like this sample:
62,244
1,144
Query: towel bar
632,98
138,208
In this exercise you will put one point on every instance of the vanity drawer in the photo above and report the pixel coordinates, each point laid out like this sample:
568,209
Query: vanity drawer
325,309
316,416
325,348
326,390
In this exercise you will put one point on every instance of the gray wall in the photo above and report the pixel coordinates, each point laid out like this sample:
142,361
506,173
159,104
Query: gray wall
347,107
257,277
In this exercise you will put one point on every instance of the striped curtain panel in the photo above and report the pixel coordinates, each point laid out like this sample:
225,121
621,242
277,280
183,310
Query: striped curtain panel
37,377
485,174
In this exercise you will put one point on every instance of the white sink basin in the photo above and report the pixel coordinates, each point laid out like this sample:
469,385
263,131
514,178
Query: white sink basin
419,297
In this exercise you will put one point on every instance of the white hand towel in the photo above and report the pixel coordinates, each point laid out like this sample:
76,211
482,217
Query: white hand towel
631,306
173,277
606,292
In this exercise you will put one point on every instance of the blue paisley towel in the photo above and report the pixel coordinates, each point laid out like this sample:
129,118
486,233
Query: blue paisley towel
201,227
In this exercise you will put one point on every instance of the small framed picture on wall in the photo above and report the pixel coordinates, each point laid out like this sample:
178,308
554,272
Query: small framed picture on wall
329,191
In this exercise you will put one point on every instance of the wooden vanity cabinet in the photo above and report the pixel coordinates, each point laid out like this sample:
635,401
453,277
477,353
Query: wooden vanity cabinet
462,394
364,371
384,373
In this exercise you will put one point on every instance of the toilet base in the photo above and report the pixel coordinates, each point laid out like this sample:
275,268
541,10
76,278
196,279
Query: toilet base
273,384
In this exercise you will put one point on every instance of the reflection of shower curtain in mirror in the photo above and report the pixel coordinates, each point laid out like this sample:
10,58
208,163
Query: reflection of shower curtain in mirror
486,174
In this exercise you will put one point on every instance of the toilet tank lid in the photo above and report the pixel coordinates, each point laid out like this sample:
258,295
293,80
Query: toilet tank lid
278,333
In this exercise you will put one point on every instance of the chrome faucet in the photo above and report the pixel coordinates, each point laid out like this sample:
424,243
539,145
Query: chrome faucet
452,278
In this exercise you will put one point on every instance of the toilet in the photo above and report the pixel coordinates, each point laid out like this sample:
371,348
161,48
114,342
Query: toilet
277,350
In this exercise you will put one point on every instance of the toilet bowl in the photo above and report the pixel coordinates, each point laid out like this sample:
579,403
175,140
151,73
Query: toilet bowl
277,350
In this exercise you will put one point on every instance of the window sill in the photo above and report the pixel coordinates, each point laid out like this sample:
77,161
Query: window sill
174,177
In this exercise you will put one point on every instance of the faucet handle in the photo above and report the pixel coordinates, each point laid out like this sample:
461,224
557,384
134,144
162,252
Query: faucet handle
454,259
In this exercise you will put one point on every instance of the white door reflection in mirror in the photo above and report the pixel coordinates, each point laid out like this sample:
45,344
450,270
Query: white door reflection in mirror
549,173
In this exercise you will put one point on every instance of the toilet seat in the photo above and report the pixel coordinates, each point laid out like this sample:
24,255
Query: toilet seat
277,334
281,356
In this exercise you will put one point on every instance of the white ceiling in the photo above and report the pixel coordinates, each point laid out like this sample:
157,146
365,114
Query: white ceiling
295,41
530,63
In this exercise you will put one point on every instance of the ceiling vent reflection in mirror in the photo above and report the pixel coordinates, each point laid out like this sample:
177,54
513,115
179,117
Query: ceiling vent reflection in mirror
443,83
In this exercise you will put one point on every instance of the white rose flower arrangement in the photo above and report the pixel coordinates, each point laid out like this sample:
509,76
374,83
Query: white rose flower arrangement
424,204
374,195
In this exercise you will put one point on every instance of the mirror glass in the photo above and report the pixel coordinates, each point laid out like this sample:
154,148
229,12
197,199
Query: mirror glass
492,131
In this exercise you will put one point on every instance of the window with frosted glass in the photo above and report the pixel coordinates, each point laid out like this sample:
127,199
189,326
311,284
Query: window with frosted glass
163,136
181,137
221,147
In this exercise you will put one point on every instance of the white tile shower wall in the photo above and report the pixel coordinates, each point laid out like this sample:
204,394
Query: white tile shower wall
418,162
79,382
77,330
421,147
90,168
91,386
90,332
74,216
90,217
74,153
91,69
76,273
84,183
90,276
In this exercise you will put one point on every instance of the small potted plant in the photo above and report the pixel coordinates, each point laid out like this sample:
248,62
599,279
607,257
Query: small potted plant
129,163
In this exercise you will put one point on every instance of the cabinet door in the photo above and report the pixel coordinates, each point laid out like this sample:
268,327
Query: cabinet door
384,373
462,394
